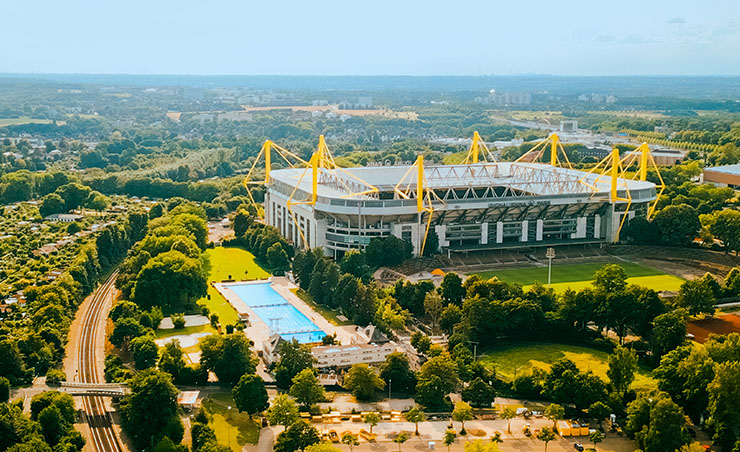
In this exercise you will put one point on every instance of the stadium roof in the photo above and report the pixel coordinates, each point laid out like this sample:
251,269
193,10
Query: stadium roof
535,178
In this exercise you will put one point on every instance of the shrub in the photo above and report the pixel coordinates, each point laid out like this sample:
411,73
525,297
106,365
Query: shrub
54,377
178,320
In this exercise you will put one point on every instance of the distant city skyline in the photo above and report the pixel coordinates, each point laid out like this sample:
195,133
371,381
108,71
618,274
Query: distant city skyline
382,37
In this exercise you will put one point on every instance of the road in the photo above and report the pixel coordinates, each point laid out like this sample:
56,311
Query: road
102,436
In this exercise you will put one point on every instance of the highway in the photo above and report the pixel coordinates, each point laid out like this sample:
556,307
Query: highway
102,436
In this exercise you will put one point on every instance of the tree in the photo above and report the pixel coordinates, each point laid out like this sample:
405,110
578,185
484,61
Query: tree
372,420
435,380
449,438
350,440
554,412
387,251
508,413
51,204
421,342
354,263
277,258
396,368
546,435
462,412
433,307
724,398
294,357
452,288
622,368
696,296
610,279
451,316
677,224
596,437
242,221
669,331
201,435
74,194
415,415
144,351
124,330
363,382
172,359
250,395
599,411
150,408
53,426
228,356
283,411
479,393
298,436
400,439
166,277
657,423
306,388
97,201
4,389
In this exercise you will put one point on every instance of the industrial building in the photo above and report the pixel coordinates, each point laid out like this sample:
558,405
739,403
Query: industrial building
723,176
480,204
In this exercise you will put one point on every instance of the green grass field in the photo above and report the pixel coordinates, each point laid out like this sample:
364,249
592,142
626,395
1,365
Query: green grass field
232,428
579,276
512,359
22,120
223,261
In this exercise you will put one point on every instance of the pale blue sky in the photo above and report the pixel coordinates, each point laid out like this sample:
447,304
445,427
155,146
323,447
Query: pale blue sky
378,37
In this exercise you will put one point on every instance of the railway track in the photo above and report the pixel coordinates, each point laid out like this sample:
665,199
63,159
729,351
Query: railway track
102,437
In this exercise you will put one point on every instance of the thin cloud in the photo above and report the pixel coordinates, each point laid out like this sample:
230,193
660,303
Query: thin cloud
677,20
605,37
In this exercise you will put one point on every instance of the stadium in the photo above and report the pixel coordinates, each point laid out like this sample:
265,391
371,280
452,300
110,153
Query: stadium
479,204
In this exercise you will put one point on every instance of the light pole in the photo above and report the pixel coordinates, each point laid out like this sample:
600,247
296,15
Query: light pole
550,255
389,391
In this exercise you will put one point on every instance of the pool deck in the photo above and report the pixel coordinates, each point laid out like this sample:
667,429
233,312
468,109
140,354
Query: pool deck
258,330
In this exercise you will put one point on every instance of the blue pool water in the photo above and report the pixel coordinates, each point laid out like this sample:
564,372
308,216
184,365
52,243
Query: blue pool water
279,315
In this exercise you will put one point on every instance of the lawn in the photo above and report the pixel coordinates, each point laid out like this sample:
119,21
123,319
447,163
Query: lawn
328,314
510,360
232,428
579,276
22,120
223,262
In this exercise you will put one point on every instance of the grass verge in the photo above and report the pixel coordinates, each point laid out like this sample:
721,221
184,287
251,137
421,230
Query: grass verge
328,314
233,429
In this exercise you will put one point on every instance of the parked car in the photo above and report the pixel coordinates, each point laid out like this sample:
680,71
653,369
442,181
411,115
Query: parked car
578,447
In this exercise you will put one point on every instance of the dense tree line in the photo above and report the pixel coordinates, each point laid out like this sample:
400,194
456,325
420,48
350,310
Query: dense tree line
49,428
329,285
704,381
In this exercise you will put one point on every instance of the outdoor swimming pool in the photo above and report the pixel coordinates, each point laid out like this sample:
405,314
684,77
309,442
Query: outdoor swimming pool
277,313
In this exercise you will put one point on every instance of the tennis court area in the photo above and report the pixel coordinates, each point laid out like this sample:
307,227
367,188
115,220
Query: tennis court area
277,313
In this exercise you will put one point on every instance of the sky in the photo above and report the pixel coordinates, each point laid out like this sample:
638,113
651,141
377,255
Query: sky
376,37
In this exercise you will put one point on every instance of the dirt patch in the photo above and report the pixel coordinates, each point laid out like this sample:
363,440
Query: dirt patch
722,324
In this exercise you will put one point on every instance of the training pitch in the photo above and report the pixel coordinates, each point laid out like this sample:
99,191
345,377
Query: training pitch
580,276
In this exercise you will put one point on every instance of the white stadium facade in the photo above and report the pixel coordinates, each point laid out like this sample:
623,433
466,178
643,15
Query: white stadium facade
475,205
